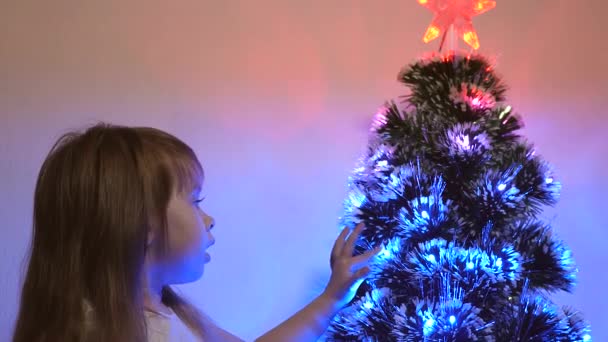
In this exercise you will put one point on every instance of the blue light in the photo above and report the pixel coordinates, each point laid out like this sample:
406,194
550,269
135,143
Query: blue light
470,265
425,214
452,319
394,180
390,249
501,187
499,262
368,305
386,253
428,325
431,258
382,163
587,338
356,197
566,259
549,180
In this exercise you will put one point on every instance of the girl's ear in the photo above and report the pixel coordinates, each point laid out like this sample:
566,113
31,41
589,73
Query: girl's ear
151,245
152,232
150,238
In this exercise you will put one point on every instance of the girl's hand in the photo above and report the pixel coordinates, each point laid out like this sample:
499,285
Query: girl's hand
348,272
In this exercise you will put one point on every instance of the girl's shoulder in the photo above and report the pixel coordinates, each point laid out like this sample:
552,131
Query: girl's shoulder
168,327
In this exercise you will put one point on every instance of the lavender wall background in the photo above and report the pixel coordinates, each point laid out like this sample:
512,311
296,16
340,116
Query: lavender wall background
276,97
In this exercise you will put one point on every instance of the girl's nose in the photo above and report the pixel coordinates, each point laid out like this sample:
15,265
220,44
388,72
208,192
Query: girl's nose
209,221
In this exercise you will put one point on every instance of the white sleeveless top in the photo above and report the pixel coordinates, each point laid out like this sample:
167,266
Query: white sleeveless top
163,327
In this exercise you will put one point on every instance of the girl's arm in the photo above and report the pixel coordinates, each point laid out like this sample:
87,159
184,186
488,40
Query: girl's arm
216,334
306,325
348,273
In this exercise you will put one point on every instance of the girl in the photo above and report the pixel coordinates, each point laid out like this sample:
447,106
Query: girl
116,222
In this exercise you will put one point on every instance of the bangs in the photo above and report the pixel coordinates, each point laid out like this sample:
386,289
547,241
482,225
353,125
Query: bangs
187,173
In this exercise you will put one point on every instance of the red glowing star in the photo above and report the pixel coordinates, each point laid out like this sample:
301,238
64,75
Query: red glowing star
457,13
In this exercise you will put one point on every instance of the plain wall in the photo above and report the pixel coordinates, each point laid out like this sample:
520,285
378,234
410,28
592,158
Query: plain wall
276,97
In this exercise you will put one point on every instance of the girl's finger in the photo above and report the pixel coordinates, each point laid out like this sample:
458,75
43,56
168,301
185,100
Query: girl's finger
364,258
336,251
349,247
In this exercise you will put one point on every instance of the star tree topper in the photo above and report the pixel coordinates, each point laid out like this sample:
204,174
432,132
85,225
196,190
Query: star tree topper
457,13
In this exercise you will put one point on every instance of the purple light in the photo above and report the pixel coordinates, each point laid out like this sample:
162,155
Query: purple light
464,142
380,117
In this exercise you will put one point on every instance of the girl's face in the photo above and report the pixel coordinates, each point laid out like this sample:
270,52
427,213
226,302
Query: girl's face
189,233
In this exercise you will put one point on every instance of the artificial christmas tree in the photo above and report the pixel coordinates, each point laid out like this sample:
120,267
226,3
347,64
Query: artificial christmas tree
453,193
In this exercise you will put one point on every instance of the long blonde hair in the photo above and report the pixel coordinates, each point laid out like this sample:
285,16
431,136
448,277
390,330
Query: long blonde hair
97,195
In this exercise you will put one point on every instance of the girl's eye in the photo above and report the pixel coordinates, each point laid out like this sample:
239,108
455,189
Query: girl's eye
198,201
